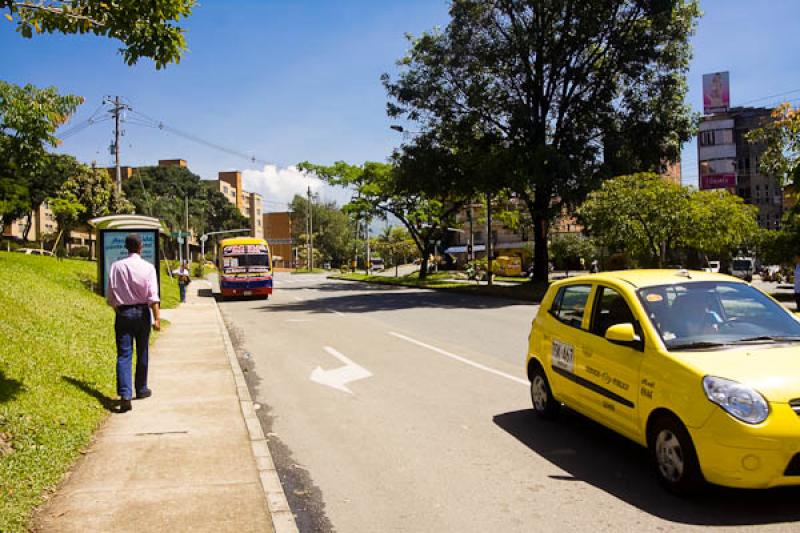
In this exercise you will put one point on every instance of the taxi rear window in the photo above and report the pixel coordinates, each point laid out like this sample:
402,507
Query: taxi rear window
570,304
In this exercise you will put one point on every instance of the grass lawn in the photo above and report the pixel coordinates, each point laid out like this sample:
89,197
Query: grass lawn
57,374
528,291
306,271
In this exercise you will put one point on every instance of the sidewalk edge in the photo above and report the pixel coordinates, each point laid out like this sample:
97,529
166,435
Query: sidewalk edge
281,515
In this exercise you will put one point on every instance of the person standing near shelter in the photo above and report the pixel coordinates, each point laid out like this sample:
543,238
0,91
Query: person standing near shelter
183,278
133,293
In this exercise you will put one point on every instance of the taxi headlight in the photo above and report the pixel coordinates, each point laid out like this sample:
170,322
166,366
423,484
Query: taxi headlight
740,401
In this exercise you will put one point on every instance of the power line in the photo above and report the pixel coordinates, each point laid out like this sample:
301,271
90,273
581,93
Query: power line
140,119
769,97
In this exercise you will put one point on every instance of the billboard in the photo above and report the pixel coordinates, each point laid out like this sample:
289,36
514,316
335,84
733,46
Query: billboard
112,248
716,92
718,181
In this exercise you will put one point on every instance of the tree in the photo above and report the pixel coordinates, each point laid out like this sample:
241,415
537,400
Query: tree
161,191
29,117
146,28
568,250
85,194
721,223
383,189
781,136
569,92
333,235
396,245
649,217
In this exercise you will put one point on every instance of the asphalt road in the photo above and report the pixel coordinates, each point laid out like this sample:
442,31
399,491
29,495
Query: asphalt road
392,409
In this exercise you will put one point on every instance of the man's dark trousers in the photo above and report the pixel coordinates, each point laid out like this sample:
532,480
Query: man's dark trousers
132,325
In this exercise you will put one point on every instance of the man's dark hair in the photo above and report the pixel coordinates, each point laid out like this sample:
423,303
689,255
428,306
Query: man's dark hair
133,243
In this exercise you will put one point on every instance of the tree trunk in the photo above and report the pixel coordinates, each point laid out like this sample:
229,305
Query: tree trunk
423,265
541,270
28,225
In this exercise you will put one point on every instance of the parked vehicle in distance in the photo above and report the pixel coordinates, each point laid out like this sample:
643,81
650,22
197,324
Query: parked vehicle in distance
34,251
699,368
743,268
245,267
713,266
376,264
508,265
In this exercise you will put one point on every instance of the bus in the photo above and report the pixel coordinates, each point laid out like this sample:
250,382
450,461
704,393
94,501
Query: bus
245,267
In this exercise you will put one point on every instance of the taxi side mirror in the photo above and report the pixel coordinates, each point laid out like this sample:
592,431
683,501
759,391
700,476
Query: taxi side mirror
622,334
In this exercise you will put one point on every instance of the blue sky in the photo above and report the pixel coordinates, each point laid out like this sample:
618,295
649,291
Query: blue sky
296,80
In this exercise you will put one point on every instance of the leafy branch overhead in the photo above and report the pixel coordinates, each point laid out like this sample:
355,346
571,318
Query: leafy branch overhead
146,28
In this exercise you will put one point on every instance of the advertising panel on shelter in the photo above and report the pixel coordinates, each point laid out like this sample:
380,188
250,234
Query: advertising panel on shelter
112,248
716,92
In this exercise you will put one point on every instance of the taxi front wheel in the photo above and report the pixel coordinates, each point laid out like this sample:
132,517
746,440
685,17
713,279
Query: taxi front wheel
673,456
544,404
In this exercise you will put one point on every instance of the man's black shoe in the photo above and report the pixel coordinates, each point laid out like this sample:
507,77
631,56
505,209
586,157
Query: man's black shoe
144,394
124,406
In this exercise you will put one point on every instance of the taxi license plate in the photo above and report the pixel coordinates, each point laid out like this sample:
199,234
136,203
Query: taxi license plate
248,293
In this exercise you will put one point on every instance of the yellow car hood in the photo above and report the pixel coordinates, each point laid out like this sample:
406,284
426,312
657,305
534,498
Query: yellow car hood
773,370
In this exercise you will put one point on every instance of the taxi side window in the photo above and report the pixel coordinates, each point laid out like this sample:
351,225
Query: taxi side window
610,309
570,303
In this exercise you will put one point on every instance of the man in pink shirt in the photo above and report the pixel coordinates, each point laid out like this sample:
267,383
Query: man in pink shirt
133,293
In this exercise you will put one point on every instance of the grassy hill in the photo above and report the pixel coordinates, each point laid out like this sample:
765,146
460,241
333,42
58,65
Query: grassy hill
57,374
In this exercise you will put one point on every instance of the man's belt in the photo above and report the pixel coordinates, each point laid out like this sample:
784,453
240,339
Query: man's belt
132,306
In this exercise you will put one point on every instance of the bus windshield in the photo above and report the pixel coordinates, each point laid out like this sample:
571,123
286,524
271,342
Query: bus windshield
245,258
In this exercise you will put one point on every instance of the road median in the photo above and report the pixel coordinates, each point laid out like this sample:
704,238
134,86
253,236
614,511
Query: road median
526,291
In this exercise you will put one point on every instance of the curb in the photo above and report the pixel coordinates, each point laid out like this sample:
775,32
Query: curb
281,514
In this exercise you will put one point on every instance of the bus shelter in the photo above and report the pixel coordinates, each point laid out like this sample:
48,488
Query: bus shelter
111,233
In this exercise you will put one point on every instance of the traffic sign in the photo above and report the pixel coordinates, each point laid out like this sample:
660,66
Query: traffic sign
179,234
180,240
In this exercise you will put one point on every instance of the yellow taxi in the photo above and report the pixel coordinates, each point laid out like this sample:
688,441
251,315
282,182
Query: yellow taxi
701,368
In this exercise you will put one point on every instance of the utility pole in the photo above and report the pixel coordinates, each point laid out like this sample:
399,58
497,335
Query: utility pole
368,262
471,236
116,111
489,238
310,228
186,220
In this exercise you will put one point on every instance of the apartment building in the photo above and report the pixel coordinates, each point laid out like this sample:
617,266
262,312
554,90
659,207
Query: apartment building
726,160
278,233
250,204
42,223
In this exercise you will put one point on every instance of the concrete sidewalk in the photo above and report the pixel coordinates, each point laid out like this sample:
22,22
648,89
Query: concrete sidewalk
190,458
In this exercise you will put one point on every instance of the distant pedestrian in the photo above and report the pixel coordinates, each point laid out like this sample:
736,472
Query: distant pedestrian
594,267
133,293
797,282
184,278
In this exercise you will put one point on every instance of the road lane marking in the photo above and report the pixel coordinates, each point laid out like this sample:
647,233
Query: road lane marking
460,359
337,378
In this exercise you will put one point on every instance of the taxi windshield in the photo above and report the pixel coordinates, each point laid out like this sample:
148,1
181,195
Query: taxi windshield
710,314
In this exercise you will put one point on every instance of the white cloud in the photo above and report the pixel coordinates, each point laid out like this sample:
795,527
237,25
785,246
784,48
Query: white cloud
277,186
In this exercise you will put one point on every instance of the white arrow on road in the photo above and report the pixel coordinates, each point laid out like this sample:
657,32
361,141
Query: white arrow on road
339,377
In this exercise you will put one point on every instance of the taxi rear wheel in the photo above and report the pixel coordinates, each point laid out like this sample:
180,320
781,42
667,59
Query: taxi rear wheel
544,404
673,456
